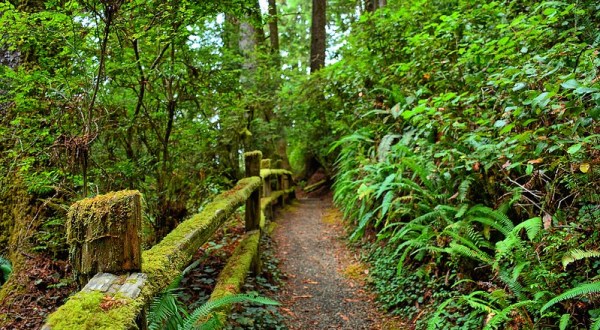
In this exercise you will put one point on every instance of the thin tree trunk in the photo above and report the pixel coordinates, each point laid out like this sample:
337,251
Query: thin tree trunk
274,30
318,42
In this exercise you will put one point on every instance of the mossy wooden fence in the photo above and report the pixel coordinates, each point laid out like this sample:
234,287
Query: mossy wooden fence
118,301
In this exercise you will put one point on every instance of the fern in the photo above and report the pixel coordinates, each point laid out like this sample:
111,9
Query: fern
596,324
580,290
470,253
564,321
166,311
5,270
503,315
463,188
212,305
532,227
578,254
494,218
385,145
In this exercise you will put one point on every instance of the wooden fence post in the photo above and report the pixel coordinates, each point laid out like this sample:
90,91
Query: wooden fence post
253,162
267,189
104,234
280,186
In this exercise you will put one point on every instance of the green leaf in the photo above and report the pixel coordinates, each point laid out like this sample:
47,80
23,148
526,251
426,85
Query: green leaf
574,148
585,90
570,84
519,86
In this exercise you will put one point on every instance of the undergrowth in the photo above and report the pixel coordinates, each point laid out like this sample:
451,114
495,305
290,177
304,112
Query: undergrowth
471,149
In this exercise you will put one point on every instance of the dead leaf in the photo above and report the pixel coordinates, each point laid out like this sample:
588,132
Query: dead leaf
288,311
535,161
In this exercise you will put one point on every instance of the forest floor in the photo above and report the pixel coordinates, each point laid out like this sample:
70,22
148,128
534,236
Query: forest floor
326,283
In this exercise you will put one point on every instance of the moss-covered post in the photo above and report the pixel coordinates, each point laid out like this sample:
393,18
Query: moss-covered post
265,164
285,185
104,234
253,161
281,199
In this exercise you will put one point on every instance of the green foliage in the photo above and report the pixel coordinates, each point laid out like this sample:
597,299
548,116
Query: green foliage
168,312
5,270
580,290
469,149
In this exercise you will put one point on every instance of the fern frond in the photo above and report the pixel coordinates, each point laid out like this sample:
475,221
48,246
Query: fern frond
208,307
385,145
582,289
564,321
463,188
596,324
503,315
578,254
532,226
501,221
166,311
470,253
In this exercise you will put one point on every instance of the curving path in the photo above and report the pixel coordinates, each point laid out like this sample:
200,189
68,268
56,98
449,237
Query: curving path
317,295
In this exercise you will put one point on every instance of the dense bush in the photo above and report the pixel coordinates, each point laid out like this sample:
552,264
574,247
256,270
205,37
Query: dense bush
472,149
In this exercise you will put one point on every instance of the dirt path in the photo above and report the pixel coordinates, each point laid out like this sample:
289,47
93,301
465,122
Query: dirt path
317,294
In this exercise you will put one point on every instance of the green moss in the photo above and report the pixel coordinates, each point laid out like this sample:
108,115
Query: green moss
97,213
266,201
265,163
264,173
84,311
255,153
161,264
270,228
234,273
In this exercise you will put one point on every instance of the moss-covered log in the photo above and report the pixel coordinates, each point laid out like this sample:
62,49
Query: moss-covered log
161,264
104,234
234,273
314,186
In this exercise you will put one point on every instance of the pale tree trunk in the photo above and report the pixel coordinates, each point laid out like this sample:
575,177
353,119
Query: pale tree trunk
318,41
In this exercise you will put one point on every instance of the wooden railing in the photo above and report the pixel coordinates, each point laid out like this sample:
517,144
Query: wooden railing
117,295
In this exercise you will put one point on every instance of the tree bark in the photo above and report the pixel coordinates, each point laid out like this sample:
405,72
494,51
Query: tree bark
274,31
373,5
318,41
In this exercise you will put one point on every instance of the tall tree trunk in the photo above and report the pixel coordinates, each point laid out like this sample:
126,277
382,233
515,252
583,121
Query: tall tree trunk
317,29
274,31
373,5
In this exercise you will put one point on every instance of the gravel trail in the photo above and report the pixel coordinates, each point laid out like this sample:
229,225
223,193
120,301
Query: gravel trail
317,295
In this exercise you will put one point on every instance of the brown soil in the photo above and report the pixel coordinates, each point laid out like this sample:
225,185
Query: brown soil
325,286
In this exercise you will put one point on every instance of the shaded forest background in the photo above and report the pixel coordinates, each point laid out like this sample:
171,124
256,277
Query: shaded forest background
462,136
